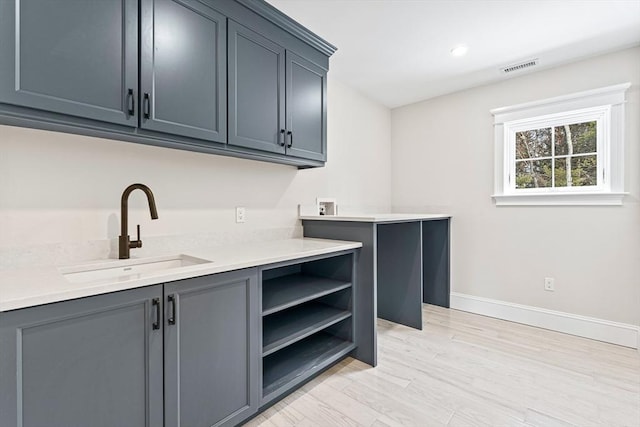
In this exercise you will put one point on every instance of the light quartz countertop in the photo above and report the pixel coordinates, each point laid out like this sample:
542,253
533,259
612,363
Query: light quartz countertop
393,217
27,287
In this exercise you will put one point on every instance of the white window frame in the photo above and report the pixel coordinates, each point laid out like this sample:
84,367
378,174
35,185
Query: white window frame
603,105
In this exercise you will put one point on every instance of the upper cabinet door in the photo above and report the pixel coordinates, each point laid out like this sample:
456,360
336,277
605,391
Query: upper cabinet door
256,91
183,69
306,109
72,57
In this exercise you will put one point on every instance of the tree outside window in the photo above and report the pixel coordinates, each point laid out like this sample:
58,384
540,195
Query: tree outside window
558,156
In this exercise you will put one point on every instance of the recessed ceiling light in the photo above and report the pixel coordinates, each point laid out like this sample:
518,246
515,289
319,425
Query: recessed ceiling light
459,50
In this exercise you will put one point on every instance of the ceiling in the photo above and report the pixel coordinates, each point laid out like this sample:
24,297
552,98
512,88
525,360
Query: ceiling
398,51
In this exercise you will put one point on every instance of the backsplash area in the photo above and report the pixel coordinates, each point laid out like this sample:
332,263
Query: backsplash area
70,253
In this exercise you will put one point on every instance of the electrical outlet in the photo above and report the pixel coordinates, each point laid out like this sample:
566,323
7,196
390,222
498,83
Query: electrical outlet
549,284
240,214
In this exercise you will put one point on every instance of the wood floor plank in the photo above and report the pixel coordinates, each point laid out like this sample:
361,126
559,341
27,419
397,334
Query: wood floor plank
282,415
320,411
462,370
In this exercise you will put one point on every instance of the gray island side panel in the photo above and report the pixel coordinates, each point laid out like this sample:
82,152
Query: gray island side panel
399,265
365,293
436,262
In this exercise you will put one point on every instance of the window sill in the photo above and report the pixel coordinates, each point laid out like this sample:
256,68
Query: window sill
560,199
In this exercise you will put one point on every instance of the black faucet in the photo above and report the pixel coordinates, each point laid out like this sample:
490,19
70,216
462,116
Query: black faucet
124,243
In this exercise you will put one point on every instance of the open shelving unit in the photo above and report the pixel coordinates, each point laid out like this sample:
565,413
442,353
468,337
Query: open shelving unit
307,320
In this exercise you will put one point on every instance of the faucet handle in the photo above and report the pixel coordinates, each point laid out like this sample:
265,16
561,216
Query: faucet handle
138,242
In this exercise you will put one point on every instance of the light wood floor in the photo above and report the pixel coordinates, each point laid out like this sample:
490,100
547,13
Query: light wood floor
468,370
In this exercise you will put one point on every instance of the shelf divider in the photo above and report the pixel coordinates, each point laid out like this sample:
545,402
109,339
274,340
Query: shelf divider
289,326
283,292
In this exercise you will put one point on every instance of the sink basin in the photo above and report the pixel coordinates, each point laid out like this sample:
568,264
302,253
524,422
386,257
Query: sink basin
130,269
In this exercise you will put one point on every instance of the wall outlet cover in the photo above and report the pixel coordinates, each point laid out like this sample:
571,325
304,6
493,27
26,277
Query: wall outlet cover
241,214
549,284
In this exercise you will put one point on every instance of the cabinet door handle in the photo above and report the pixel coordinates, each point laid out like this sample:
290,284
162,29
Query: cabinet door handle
281,140
156,305
147,106
171,299
290,139
131,103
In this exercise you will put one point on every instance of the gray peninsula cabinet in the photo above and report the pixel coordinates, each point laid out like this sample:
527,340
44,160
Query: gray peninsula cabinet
171,73
98,361
277,99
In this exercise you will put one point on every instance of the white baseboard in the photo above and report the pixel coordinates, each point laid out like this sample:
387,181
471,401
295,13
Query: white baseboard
588,327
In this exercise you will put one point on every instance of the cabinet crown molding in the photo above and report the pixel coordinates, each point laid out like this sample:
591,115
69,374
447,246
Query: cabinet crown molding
288,24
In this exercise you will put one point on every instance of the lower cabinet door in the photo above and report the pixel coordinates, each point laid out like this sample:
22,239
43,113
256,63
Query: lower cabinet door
211,350
93,361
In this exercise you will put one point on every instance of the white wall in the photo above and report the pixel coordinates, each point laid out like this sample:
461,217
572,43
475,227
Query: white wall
442,160
57,187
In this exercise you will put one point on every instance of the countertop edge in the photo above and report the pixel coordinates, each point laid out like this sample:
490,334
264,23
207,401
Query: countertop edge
62,290
375,218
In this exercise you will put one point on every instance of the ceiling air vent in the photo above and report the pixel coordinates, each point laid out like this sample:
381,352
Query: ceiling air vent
519,67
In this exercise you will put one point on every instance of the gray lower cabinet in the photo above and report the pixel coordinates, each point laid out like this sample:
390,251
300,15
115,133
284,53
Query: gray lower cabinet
183,354
89,362
201,352
277,99
212,350
183,69
72,57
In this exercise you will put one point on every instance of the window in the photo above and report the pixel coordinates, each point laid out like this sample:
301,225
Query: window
561,151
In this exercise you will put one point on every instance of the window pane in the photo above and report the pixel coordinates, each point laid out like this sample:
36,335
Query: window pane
562,149
575,139
561,172
576,171
533,143
584,171
533,174
583,137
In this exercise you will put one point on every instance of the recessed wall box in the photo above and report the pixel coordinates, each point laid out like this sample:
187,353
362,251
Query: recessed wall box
327,206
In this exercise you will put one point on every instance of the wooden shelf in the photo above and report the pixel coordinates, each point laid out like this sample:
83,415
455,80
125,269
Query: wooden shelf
300,361
287,291
289,326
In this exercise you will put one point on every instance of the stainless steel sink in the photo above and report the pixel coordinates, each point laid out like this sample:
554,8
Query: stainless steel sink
129,269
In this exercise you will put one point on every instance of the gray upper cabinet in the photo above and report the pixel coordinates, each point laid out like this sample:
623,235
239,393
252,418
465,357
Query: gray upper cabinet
212,350
230,77
183,69
90,362
256,91
277,99
73,57
306,109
